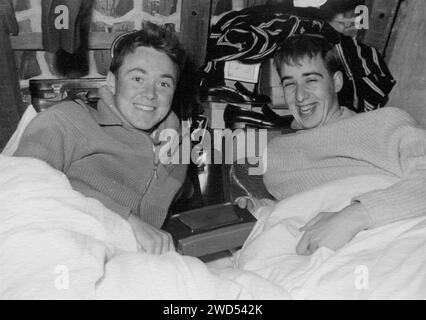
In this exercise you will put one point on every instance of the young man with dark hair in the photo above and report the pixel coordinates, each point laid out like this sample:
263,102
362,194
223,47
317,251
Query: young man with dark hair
112,153
312,60
334,144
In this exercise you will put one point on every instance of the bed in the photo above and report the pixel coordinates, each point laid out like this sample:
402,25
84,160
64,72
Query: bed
57,244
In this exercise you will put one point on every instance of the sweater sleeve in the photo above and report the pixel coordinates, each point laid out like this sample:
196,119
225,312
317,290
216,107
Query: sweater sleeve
52,138
407,197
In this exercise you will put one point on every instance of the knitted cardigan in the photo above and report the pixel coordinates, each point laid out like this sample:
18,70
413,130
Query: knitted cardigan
385,141
104,159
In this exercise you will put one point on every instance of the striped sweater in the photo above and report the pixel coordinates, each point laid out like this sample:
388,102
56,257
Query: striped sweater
385,141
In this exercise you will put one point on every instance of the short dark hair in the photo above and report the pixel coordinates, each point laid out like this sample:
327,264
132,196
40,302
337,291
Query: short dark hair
151,35
295,48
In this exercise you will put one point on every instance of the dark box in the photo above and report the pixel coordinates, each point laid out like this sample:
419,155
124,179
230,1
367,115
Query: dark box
211,229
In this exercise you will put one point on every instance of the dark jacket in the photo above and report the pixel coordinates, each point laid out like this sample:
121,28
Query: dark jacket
69,39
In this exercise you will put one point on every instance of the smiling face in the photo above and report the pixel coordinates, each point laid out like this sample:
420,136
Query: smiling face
144,86
310,91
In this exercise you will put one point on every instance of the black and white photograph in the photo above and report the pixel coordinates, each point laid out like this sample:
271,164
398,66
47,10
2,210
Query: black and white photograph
212,155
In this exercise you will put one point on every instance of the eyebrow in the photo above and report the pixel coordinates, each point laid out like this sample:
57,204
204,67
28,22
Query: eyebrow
165,75
307,74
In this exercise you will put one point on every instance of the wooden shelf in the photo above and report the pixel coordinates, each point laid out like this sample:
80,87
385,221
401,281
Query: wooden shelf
33,40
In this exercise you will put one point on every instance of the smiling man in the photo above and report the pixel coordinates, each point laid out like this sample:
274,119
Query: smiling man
311,77
335,143
149,71
111,153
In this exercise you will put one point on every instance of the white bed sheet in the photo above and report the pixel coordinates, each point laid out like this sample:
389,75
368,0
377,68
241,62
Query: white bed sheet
384,263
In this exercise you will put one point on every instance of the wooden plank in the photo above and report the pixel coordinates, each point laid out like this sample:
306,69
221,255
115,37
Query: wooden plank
195,22
408,60
382,17
97,40
33,40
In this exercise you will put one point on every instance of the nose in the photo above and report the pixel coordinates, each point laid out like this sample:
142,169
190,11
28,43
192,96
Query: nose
149,90
301,93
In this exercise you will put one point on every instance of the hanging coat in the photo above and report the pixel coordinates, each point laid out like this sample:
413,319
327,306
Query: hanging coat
10,95
68,39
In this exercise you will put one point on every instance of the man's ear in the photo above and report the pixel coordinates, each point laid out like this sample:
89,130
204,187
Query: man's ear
111,81
338,81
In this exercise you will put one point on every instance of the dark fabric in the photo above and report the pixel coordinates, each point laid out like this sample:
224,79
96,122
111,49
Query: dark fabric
69,39
7,16
367,79
121,8
10,96
252,35
243,184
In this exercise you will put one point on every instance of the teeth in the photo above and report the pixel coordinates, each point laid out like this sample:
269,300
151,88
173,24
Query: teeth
307,110
143,107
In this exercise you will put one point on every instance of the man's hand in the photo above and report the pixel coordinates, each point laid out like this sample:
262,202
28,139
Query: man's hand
332,229
253,204
246,203
149,238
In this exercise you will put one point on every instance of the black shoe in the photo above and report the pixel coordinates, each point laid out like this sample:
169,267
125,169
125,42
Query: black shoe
226,94
255,98
234,115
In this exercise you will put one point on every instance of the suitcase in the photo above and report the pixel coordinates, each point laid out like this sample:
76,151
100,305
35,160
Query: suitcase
48,92
209,230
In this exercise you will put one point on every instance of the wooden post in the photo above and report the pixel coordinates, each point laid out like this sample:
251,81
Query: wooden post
407,60
195,21
382,17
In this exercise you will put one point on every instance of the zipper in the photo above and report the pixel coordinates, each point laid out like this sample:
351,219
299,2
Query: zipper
154,174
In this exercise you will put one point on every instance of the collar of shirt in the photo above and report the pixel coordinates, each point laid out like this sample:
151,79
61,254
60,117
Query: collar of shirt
105,116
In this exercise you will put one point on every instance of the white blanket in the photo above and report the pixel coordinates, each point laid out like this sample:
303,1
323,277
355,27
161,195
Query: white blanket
384,263
13,142
57,244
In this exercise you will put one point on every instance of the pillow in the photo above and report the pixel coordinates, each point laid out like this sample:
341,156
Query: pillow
13,142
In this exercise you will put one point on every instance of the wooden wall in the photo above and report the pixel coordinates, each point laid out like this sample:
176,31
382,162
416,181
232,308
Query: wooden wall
382,17
407,59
